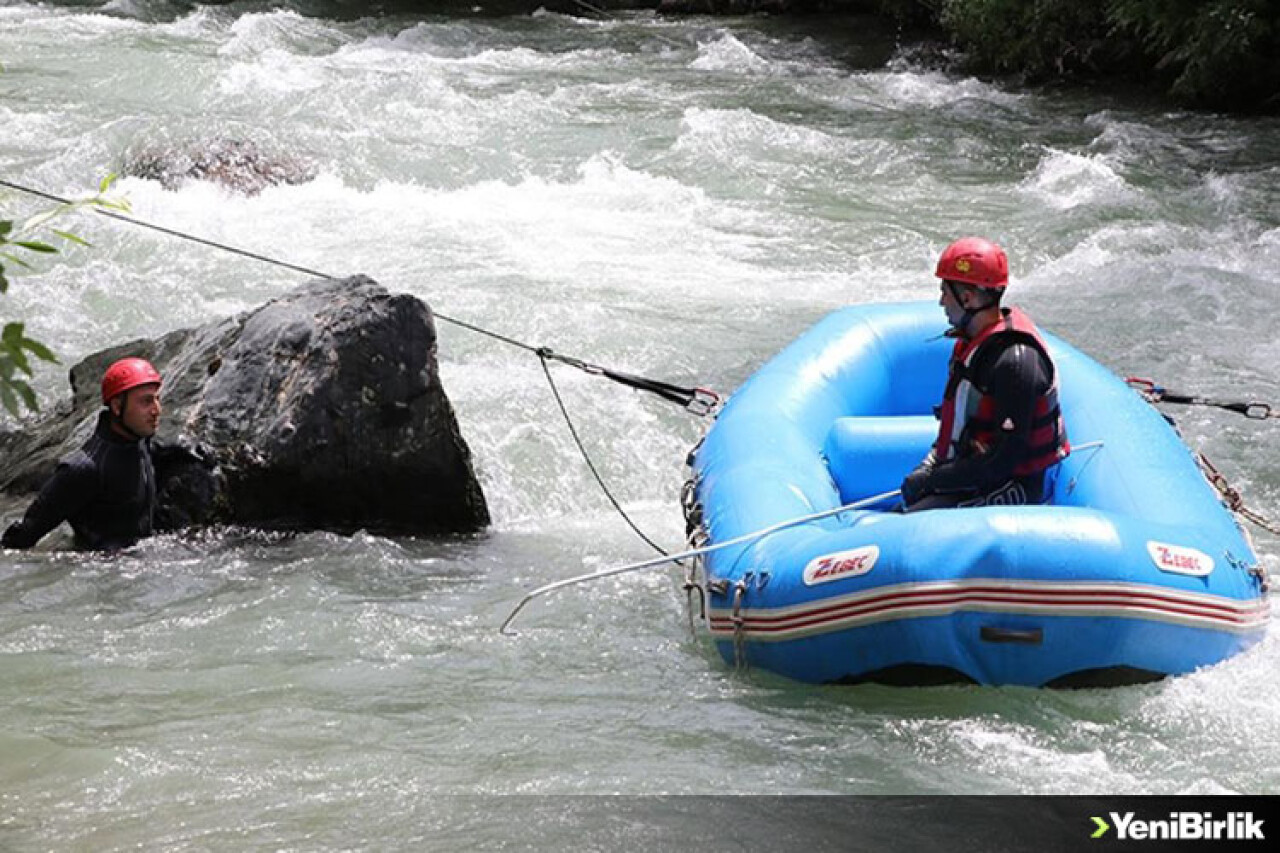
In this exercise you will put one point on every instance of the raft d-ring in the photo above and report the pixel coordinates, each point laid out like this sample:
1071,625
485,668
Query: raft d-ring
739,651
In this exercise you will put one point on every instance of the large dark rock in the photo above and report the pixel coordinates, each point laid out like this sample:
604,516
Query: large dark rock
323,409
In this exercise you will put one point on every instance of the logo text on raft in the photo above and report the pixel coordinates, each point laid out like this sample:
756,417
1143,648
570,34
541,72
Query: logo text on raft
844,564
1180,560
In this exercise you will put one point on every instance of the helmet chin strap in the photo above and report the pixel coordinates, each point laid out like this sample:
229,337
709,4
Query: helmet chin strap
962,328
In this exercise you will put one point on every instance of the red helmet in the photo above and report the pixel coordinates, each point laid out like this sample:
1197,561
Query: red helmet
125,374
974,260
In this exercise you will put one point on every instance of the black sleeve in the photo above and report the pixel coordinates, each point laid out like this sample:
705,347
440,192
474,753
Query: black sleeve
72,486
1016,378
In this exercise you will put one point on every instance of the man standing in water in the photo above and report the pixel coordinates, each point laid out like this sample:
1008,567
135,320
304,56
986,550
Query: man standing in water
1000,426
107,488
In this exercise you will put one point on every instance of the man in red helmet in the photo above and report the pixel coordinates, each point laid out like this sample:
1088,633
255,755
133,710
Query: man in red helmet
107,488
1000,426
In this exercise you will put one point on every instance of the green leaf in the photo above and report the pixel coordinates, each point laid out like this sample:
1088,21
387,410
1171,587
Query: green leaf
4,282
20,360
6,227
6,397
17,260
106,182
13,339
71,238
36,246
28,395
38,221
39,350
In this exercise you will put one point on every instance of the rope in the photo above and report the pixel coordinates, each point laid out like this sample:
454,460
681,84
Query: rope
700,401
1231,497
595,10
573,431
1253,410
693,552
1154,393
110,214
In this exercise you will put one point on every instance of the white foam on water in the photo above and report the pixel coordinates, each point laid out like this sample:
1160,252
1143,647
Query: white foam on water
276,53
427,46
29,127
204,22
1023,757
520,60
902,85
1212,723
257,33
66,25
273,72
1064,180
728,53
742,131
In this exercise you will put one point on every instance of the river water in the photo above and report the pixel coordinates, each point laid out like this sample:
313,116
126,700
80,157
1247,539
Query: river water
672,197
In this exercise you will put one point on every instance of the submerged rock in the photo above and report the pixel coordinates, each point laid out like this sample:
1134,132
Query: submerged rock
322,409
241,165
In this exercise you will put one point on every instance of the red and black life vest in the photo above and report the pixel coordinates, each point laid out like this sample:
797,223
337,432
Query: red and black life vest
968,412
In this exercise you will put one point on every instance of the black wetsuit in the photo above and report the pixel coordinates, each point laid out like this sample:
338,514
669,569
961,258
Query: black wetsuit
1015,376
106,490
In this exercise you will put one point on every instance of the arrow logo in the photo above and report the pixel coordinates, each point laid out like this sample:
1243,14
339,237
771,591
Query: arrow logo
1103,826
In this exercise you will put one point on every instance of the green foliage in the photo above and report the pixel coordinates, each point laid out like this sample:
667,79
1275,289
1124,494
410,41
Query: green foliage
1210,53
908,12
1216,52
19,247
1042,39
14,346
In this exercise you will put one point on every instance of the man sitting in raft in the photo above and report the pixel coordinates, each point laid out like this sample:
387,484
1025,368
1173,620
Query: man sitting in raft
1000,426
107,488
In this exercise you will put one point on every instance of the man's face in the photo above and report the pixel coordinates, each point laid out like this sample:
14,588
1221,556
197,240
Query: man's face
953,307
139,409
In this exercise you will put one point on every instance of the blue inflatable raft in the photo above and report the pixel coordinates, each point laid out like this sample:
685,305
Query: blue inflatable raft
1132,571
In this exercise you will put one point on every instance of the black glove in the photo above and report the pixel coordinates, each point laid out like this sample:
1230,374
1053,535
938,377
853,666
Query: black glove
916,485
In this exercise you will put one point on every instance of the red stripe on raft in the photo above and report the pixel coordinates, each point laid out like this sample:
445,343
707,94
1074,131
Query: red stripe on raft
906,601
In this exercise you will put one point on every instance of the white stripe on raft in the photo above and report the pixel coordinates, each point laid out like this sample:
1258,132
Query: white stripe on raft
1040,598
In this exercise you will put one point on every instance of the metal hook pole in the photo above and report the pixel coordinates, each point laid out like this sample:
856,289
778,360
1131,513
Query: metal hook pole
695,552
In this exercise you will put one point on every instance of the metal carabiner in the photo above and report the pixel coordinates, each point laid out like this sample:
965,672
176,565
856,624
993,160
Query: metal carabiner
703,402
